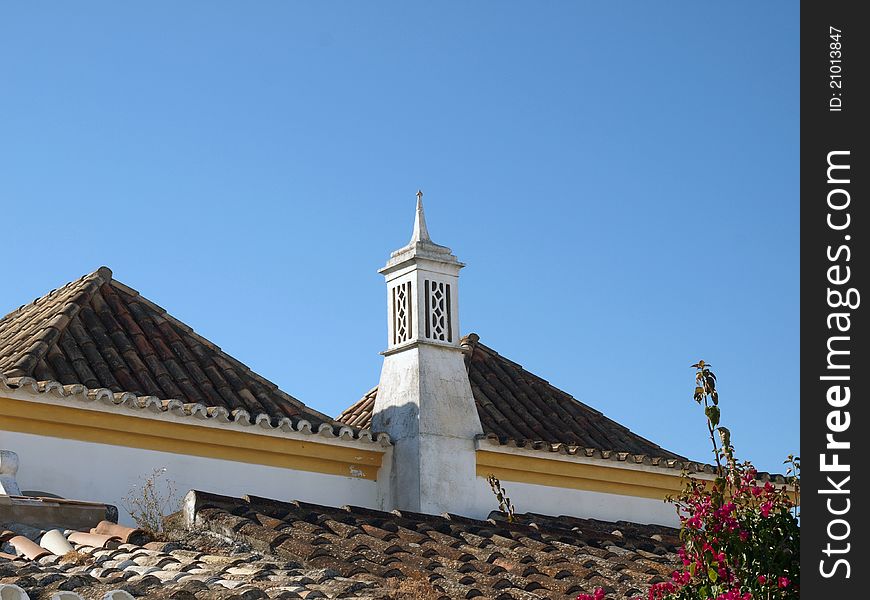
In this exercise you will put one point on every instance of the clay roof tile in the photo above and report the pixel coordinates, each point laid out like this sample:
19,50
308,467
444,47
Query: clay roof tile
100,333
518,407
536,556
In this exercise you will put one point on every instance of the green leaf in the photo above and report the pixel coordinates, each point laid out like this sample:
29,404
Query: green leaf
712,413
712,574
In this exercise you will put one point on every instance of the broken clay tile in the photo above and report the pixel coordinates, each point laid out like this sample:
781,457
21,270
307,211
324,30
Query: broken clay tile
28,547
55,542
96,540
125,534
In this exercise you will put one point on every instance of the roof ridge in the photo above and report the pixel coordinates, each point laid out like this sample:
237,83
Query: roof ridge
98,273
35,345
468,343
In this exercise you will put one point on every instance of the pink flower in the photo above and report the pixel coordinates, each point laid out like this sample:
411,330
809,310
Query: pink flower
598,594
765,508
744,535
659,590
749,475
681,577
783,582
762,579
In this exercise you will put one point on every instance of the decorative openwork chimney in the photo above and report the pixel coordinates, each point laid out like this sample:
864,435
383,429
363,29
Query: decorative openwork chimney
424,399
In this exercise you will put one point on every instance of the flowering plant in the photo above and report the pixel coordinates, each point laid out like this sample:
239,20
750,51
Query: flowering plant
740,537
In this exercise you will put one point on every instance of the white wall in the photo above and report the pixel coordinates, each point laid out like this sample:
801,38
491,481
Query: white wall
527,497
105,473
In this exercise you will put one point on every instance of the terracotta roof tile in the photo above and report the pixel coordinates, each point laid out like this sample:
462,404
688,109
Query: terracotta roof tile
518,407
535,556
102,334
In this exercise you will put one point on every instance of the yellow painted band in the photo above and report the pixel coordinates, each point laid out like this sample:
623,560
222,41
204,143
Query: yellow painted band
581,476
167,436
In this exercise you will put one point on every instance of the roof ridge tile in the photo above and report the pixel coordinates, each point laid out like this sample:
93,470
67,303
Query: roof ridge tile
22,348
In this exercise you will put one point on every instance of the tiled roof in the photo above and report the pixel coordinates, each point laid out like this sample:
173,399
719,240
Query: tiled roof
517,407
258,548
359,414
98,333
198,567
535,556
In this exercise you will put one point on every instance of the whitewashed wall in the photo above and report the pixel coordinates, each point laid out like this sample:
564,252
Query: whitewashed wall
548,500
105,473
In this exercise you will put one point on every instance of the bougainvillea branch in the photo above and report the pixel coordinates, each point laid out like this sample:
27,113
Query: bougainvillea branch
740,535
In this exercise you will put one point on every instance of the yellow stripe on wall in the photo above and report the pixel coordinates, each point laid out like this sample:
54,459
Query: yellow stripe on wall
584,476
580,476
167,436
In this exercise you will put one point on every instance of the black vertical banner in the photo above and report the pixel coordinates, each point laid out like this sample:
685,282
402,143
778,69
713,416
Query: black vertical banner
835,225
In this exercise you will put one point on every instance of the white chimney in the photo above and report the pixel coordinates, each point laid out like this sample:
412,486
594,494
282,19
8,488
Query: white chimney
424,399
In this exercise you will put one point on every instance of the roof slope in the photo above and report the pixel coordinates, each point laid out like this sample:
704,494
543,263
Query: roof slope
271,549
99,333
518,406
535,556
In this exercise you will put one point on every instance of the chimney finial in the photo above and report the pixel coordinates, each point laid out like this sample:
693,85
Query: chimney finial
421,233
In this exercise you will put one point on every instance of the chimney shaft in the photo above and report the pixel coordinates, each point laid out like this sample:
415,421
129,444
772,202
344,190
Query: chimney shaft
424,399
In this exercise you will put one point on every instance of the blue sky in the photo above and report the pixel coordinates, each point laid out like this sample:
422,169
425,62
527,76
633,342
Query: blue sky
621,179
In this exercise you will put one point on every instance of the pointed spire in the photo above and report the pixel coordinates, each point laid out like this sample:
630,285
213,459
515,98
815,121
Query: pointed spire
421,233
421,245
